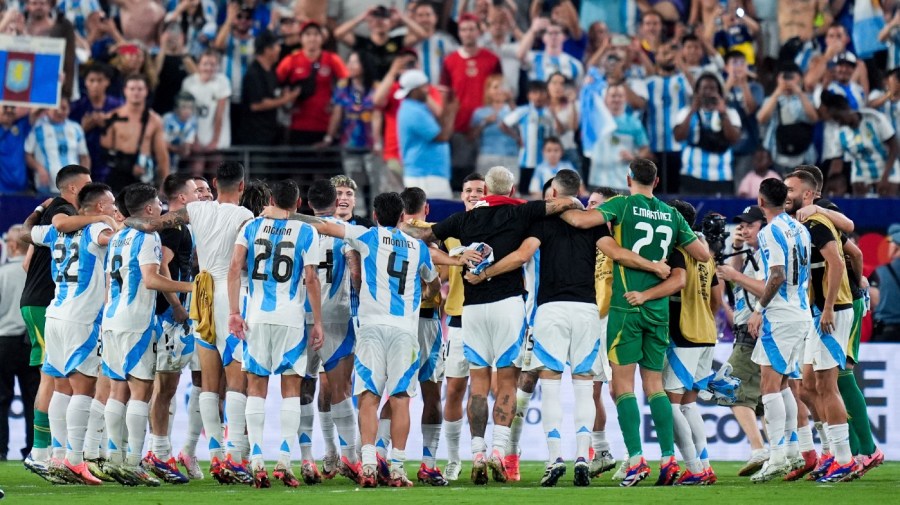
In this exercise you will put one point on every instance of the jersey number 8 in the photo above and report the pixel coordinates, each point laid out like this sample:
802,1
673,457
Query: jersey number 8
282,264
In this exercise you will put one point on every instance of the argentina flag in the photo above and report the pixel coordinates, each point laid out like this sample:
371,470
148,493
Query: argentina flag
30,69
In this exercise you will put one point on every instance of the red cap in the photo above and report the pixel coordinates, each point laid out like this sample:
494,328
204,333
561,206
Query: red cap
128,49
469,17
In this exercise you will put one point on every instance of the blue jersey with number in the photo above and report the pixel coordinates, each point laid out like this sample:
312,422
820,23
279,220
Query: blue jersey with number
277,252
130,305
786,242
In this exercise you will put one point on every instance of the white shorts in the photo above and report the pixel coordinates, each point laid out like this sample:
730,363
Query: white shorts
602,367
71,347
433,186
431,363
493,333
387,359
455,363
780,345
566,333
825,352
687,368
230,348
175,347
338,344
273,349
129,354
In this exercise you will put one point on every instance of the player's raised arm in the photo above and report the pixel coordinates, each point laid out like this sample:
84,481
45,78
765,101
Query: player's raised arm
68,224
630,259
423,233
167,220
508,263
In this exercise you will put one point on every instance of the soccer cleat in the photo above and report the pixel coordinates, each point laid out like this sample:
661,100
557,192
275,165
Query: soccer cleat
689,478
310,473
602,462
139,475
219,473
498,469
825,460
622,471
284,473
237,471
369,476
754,463
668,472
59,470
770,471
838,473
511,462
120,474
42,470
553,472
97,467
398,478
261,479
479,470
82,473
348,469
191,466
866,463
452,470
431,476
165,470
635,473
329,466
709,477
582,473
384,470
808,464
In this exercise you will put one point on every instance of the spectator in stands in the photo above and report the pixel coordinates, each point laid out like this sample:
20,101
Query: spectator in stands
53,144
552,163
141,20
235,40
530,124
650,36
888,101
315,73
466,71
698,56
423,137
733,32
542,64
130,58
501,39
212,93
790,117
563,104
39,22
599,40
495,148
12,22
197,20
842,81
260,15
840,65
180,129
173,63
80,14
885,291
379,47
614,150
15,125
261,100
762,170
437,45
890,35
709,128
565,15
92,111
289,29
619,18
744,95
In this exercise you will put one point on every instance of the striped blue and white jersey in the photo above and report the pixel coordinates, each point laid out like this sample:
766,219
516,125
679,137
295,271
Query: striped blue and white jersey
393,268
700,164
666,96
277,252
238,55
853,92
893,49
864,144
786,242
532,270
77,269
55,145
534,125
541,66
432,53
78,12
334,277
130,305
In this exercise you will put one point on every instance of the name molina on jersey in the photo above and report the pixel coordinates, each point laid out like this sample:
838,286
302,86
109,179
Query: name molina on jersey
277,230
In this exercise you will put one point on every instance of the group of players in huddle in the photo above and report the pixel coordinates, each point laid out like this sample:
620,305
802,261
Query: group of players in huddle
243,288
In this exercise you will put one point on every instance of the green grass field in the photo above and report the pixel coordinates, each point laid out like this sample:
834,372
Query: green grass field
880,486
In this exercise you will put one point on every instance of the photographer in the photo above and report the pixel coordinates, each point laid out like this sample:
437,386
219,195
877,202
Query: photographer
745,278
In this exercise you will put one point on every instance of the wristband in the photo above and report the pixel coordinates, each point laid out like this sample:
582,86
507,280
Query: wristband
737,247
39,209
758,307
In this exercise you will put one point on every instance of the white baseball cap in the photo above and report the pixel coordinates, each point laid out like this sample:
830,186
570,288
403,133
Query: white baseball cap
410,80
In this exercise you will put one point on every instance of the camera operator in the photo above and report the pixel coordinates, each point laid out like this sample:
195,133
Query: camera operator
747,282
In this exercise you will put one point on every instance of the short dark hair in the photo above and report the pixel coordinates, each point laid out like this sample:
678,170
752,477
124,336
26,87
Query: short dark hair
414,200
120,200
687,211
835,101
474,176
286,193
139,195
255,197
709,76
547,186
388,208
734,53
690,37
773,192
805,177
567,181
815,172
98,68
321,194
643,171
174,184
138,77
229,174
67,172
553,140
537,86
605,192
91,192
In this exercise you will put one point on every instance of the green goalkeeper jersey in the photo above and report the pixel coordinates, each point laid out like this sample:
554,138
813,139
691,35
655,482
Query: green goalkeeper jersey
651,229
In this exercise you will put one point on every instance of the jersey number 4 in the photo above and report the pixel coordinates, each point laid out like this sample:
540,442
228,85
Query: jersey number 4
282,264
399,274
650,237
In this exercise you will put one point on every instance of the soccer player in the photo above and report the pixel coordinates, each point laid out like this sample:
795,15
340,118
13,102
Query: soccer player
780,319
204,192
215,226
649,227
72,326
278,254
129,350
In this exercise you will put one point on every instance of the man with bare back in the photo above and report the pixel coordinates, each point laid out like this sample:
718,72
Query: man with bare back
802,18
140,20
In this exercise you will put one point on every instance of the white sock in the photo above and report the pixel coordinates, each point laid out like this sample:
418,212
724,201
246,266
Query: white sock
195,422
344,418
826,438
212,423
500,439
523,400
804,435
173,406
790,423
698,431
56,414
368,455
685,440
136,416
398,458
77,414
478,446
256,426
383,438
235,413
161,446
326,423
584,417
452,431
551,417
598,441
823,436
840,442
773,404
431,438
96,426
115,430
307,417
290,425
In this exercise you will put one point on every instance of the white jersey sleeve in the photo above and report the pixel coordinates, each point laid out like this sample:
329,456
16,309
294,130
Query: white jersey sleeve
130,305
77,269
786,242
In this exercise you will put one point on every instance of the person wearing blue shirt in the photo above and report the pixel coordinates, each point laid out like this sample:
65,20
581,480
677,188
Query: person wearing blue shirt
423,138
553,163
14,129
495,147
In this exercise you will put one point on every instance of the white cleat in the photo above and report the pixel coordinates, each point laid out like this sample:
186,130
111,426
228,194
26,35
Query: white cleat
771,471
452,470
